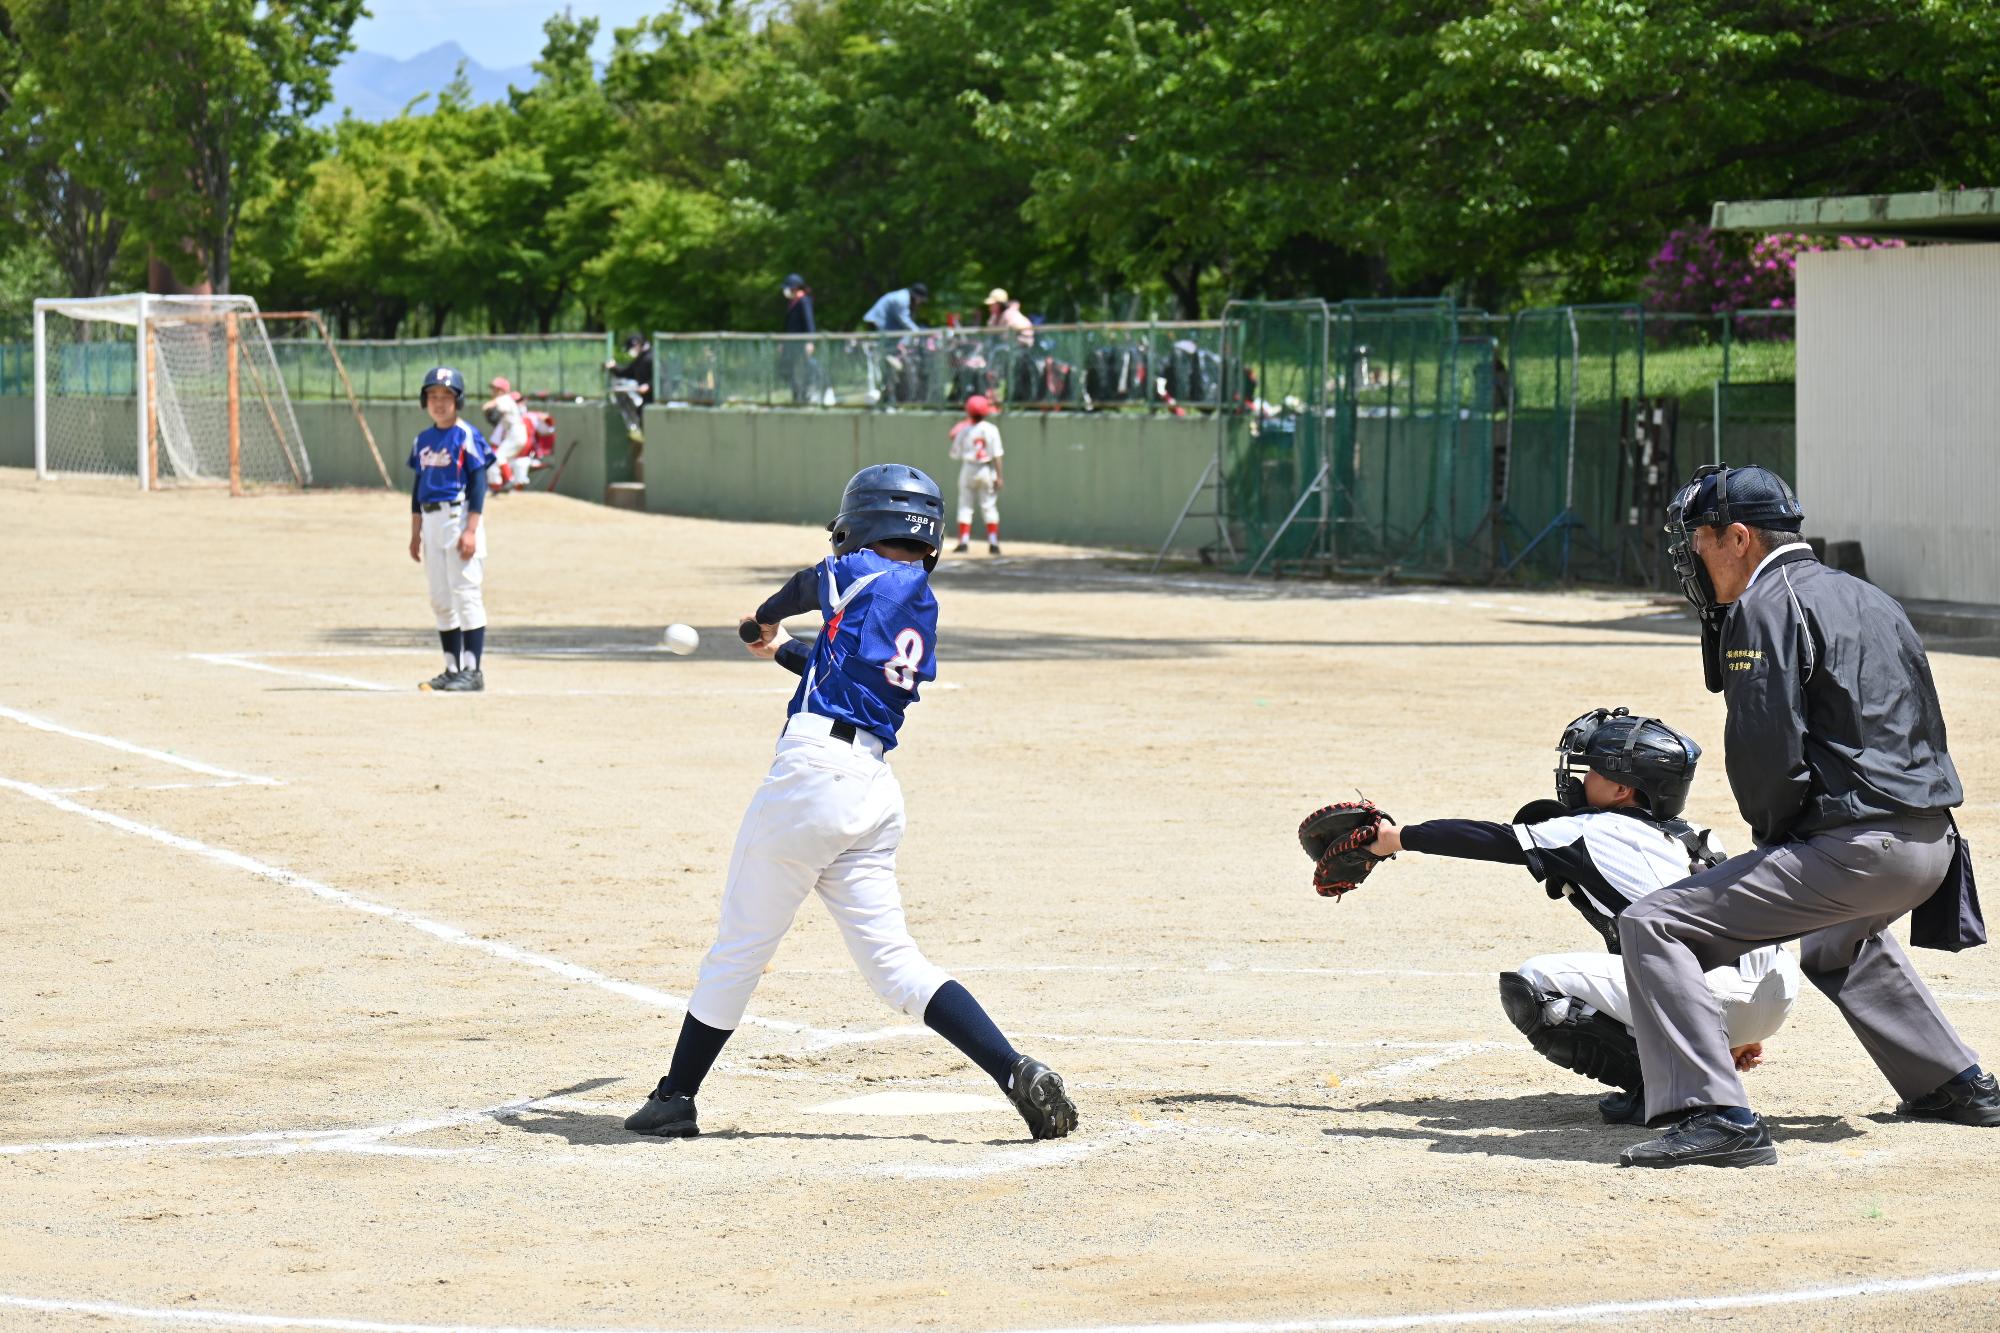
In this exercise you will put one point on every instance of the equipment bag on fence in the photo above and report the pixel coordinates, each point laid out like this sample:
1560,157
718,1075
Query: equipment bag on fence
1025,378
1058,381
1115,374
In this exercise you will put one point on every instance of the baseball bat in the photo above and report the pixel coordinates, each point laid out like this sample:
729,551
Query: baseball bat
749,631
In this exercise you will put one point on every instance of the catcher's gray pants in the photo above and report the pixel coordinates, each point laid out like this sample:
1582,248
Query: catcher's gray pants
1836,893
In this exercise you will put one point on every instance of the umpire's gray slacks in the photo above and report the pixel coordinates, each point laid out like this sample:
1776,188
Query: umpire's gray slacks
1836,893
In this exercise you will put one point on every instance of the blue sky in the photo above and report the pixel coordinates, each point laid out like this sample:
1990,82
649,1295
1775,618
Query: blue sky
496,33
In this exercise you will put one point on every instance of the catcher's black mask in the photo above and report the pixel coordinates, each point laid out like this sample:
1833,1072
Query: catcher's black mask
1644,753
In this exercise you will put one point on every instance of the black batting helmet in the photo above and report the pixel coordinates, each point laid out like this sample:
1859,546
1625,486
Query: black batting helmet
1644,753
889,502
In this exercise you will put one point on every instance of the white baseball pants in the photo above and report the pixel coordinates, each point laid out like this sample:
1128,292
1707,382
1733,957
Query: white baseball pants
458,596
827,819
1756,992
975,483
508,446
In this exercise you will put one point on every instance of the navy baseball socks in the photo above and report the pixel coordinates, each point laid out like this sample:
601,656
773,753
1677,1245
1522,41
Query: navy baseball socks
468,679
669,1111
453,643
1036,1091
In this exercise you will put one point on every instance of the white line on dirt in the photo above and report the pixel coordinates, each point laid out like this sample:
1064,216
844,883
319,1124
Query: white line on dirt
1362,1324
362,1138
450,934
324,678
818,1038
128,747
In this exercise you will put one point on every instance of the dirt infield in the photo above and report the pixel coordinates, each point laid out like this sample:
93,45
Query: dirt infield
321,999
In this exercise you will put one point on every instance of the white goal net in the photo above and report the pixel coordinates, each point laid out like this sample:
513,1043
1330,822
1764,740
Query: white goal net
170,389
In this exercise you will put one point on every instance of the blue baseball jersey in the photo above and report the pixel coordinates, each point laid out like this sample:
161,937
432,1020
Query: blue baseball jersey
878,646
444,458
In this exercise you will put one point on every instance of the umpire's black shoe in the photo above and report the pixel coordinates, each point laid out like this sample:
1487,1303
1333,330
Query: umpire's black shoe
1037,1093
1974,1102
1705,1139
465,682
442,680
1623,1108
665,1117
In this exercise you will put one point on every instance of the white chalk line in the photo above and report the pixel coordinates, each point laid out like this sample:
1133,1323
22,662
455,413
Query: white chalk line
1362,1324
324,678
450,934
156,786
128,747
818,1038
364,1138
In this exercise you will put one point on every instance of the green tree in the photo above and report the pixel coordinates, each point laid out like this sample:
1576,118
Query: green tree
193,107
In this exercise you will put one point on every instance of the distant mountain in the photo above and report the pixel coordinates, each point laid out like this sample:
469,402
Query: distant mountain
377,87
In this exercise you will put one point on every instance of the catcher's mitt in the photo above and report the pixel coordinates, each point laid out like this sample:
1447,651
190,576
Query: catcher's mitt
1336,837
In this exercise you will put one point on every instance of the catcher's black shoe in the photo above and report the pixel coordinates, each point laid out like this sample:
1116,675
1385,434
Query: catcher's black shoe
465,682
665,1117
1973,1102
442,680
1705,1139
1623,1108
1037,1093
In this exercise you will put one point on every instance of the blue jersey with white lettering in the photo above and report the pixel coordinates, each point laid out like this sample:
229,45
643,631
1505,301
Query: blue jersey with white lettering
878,646
444,457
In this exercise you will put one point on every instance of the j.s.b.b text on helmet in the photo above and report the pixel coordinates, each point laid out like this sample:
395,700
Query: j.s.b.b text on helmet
889,501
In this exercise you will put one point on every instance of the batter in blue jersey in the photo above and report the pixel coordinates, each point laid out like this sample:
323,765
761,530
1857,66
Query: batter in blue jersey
829,815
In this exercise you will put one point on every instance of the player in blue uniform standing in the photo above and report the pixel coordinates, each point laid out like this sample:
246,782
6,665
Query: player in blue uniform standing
447,528
829,815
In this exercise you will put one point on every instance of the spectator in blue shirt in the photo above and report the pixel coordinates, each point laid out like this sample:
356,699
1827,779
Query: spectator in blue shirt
895,312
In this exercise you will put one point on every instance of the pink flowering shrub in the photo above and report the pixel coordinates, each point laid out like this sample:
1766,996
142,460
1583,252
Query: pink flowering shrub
1700,271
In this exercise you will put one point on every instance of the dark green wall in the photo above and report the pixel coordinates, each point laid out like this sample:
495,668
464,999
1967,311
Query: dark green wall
1097,479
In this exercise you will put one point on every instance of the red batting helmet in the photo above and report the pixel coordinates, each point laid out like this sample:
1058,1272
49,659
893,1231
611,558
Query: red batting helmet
979,407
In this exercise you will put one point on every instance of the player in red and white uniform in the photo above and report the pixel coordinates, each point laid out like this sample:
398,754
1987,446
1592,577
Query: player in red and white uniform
510,438
975,443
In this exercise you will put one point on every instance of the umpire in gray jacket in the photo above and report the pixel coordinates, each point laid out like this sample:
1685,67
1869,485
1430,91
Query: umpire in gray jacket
1835,749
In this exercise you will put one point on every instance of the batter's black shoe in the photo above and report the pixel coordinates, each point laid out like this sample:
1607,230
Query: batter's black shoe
465,682
1623,1108
441,681
1037,1093
1705,1139
1976,1102
665,1117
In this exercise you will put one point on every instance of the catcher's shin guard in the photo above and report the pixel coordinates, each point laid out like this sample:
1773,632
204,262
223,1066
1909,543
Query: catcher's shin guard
1581,1040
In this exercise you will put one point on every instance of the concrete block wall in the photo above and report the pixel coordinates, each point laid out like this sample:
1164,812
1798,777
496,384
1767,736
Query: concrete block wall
1085,479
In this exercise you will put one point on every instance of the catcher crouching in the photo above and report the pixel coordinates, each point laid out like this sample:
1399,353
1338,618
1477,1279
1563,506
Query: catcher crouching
1612,835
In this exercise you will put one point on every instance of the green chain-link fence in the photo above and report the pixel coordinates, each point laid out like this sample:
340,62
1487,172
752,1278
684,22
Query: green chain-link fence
557,365
1135,367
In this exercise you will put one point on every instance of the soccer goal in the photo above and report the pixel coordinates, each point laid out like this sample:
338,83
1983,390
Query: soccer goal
175,390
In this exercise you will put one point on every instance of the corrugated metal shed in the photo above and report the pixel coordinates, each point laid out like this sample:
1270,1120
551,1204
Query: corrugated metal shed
1899,413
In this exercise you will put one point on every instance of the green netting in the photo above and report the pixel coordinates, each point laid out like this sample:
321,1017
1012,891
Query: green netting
1273,432
17,369
558,365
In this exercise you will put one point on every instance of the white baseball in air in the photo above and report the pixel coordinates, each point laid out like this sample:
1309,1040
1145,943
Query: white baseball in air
681,639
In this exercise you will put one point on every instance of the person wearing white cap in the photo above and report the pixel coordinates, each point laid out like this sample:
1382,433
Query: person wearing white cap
1004,313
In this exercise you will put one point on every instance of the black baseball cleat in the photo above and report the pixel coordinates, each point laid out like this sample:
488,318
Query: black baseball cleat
959,549
993,548
1037,1093
465,682
1623,1108
665,1117
1705,1139
1976,1102
441,681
